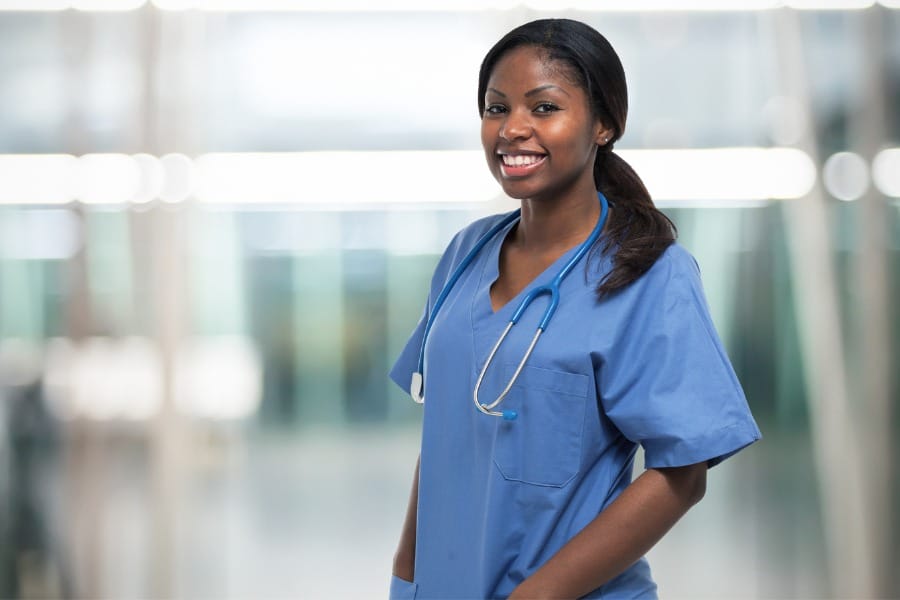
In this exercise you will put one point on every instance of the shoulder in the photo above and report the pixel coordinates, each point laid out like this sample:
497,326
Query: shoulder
667,297
462,243
674,276
468,236
675,261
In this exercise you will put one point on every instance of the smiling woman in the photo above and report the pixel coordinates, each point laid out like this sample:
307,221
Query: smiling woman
540,504
580,100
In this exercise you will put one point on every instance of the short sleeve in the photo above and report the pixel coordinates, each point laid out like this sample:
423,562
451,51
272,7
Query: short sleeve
666,382
408,361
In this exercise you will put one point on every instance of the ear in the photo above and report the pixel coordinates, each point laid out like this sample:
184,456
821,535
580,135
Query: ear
604,134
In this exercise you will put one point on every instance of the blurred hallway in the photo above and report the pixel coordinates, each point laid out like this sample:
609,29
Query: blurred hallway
218,220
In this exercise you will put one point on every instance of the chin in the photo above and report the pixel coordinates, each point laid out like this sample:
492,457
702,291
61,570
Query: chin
516,190
516,195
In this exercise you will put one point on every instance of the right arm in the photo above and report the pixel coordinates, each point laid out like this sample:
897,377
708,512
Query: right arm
405,557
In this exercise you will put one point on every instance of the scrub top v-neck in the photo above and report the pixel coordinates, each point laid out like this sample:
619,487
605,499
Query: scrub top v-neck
498,498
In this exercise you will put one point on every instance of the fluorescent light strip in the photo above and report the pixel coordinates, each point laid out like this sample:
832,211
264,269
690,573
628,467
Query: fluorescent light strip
352,179
442,6
742,174
485,5
35,5
106,178
83,5
696,5
829,4
335,5
652,5
389,178
329,178
886,172
37,178
107,5
846,176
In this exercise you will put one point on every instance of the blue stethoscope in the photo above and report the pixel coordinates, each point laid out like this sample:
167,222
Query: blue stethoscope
416,385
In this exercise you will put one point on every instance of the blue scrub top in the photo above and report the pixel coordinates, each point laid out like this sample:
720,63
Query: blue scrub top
644,366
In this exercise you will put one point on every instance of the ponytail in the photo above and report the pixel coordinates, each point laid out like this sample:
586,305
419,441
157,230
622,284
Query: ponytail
637,233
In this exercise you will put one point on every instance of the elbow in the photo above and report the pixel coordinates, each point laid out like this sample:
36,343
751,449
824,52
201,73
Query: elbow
696,487
699,489
687,483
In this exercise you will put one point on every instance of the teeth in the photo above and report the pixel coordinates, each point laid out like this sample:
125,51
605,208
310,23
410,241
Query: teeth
520,160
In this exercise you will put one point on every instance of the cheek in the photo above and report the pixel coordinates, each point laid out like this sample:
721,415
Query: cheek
488,142
487,146
488,133
574,138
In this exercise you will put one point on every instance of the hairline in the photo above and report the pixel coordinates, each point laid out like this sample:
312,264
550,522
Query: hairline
553,58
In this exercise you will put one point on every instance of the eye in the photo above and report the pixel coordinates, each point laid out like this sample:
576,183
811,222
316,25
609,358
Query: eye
546,107
494,109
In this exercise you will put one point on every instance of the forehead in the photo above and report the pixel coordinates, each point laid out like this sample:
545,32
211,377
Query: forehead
529,67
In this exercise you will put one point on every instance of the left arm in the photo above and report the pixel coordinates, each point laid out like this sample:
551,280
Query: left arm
620,535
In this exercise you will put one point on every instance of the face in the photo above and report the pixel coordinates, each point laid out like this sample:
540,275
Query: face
537,130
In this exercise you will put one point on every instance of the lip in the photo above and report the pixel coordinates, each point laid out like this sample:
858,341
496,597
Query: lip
514,171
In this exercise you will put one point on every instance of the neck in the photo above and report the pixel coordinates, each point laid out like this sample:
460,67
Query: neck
548,226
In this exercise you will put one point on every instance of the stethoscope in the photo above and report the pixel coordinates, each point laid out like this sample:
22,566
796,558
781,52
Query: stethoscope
552,288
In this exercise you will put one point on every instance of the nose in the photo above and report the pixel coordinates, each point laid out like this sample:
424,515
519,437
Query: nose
516,126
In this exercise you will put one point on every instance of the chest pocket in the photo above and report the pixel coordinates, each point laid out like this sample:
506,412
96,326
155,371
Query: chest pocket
543,445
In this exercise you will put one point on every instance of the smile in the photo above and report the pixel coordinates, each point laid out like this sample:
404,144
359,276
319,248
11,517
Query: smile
516,165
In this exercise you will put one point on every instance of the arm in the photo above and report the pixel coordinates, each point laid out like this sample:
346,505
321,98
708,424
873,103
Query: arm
620,535
405,557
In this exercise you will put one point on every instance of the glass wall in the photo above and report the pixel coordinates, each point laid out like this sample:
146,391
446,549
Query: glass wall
218,224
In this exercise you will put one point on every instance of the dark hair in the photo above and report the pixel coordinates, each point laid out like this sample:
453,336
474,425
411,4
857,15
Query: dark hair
637,232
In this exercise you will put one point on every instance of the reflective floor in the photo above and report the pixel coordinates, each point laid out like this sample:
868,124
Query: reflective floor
315,514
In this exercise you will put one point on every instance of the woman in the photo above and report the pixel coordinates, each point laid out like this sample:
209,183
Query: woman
540,503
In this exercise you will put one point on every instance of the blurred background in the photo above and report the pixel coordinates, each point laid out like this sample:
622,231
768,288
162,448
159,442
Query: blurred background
218,220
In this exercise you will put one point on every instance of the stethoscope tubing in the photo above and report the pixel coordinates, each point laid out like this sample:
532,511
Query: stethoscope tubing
417,388
552,288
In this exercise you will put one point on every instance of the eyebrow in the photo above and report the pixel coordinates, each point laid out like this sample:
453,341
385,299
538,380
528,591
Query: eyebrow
530,93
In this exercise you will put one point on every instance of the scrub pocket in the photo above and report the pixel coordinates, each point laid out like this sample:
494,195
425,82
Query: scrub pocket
402,589
543,445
